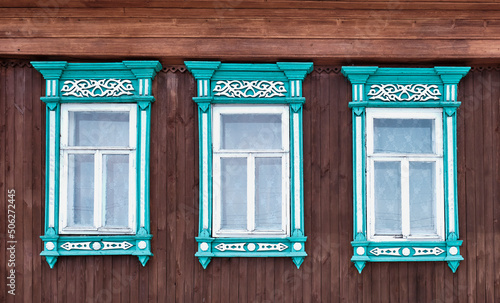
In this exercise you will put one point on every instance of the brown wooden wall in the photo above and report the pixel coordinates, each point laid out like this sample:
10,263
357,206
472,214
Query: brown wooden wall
175,275
330,31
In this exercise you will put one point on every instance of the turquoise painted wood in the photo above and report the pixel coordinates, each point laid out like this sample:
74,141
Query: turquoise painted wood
405,88
94,83
228,83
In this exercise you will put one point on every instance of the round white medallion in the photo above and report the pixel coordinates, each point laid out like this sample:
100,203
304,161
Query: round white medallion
406,251
453,250
360,251
49,246
297,246
204,246
251,247
142,244
96,245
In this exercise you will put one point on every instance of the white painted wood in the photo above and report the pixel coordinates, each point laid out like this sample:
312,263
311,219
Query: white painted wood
359,175
146,87
405,197
292,85
355,90
361,92
296,168
205,88
52,166
204,119
143,168
451,176
54,88
140,87
251,192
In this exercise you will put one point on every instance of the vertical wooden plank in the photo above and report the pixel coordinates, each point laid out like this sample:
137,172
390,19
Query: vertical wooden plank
488,181
159,173
171,198
480,186
38,184
269,290
180,255
153,263
27,215
4,186
336,99
325,185
251,280
19,89
190,202
243,279
403,282
347,269
496,207
463,123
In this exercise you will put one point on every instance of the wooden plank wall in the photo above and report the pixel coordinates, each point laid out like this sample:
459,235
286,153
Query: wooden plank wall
365,30
175,275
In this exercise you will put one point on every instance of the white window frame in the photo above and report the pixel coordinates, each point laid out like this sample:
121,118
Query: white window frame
250,155
98,152
437,157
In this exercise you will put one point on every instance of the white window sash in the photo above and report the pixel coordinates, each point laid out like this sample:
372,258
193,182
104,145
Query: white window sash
99,171
404,160
250,156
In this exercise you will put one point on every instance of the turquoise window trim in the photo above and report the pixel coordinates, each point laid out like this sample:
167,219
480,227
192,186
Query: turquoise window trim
119,82
220,83
374,87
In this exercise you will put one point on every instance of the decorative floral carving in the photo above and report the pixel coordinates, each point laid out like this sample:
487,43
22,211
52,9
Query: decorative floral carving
398,92
97,88
249,89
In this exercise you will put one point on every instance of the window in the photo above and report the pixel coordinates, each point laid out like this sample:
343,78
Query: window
97,177
251,171
405,176
98,151
251,187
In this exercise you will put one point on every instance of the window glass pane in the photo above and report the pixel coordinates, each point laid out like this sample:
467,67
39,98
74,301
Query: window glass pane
387,178
233,193
268,194
116,177
423,198
251,131
81,190
403,135
99,128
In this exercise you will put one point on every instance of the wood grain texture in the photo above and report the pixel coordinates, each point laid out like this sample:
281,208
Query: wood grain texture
326,31
173,274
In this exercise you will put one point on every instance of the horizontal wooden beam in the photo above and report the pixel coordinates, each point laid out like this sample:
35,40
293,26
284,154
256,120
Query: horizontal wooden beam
319,50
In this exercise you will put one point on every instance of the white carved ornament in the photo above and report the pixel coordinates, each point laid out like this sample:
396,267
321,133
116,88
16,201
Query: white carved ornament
423,251
96,245
232,246
271,246
249,89
398,92
97,88
385,251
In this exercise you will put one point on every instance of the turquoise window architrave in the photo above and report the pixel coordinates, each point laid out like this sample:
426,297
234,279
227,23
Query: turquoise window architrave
221,84
405,88
99,84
